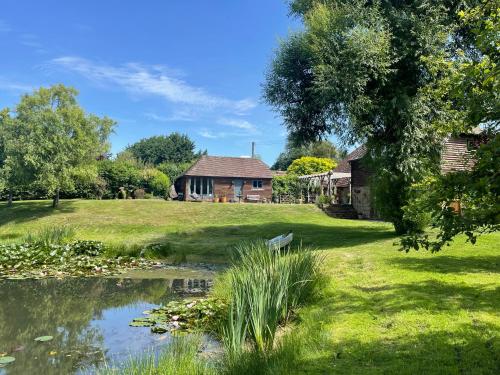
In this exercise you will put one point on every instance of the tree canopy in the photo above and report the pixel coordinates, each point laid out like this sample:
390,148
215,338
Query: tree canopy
175,148
310,165
319,149
48,136
361,70
469,88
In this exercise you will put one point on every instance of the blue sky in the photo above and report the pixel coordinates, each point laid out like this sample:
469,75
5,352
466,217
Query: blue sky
154,66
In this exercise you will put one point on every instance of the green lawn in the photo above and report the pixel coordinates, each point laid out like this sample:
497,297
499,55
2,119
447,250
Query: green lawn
380,311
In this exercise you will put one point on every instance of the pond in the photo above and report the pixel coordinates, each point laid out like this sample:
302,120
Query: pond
87,317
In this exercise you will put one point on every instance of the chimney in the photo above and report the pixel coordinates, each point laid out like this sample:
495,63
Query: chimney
253,150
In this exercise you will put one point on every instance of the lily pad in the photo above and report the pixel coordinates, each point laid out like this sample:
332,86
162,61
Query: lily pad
44,338
6,359
159,329
141,324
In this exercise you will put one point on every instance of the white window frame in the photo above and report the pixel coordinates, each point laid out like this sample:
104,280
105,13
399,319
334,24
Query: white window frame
204,185
259,182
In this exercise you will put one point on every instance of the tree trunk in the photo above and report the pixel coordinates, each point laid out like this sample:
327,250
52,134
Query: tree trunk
55,202
9,201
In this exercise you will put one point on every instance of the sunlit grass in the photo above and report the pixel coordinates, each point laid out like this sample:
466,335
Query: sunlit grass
380,311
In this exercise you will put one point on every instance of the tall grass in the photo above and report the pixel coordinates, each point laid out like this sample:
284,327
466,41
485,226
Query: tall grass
265,286
51,235
179,358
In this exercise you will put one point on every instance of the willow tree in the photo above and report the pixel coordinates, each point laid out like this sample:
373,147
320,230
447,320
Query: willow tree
49,135
360,69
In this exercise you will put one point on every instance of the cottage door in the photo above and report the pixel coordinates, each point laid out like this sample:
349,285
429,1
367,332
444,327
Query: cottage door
238,189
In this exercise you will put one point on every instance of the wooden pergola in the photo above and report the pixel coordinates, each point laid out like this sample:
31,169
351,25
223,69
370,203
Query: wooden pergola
329,178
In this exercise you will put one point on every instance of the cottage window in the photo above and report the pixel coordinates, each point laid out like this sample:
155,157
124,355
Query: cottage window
201,185
257,184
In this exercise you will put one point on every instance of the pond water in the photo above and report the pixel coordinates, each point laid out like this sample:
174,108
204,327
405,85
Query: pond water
87,317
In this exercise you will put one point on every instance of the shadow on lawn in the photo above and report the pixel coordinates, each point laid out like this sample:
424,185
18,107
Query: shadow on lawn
221,239
468,349
429,295
23,211
449,264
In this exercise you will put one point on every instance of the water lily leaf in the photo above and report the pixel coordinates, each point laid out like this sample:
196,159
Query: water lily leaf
141,324
6,359
159,329
44,338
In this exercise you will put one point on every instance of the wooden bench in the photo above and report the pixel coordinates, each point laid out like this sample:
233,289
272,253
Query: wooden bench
253,198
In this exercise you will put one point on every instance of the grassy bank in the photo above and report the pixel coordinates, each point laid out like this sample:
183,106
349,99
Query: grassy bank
202,231
380,310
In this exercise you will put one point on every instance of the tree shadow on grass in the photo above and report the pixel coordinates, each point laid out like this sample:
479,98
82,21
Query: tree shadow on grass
220,240
430,295
467,349
449,264
394,343
24,211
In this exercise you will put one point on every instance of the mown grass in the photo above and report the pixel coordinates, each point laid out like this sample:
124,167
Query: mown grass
194,231
380,311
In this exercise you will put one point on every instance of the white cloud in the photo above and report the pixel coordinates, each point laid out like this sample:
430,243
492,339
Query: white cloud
32,41
210,135
178,115
4,27
9,85
155,117
237,123
153,80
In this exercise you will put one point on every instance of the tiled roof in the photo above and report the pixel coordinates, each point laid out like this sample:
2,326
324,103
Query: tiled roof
344,166
222,166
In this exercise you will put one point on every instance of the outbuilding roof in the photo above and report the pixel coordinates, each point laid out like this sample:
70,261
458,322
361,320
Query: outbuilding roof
344,165
223,166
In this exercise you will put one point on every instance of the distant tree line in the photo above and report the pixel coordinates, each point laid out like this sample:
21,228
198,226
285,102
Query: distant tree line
50,147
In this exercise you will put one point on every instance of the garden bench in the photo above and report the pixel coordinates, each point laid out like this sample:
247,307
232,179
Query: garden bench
253,197
281,241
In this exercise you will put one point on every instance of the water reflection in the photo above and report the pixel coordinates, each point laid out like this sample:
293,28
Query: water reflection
87,317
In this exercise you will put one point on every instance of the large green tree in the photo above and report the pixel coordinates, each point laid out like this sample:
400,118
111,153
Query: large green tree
468,86
358,69
175,147
49,135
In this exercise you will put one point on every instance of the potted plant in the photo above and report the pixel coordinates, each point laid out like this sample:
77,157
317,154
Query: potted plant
216,198
223,198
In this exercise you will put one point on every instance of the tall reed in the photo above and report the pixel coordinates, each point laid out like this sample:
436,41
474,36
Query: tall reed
179,358
265,285
51,235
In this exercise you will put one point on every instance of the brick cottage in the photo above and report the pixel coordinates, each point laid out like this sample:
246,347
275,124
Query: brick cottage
230,178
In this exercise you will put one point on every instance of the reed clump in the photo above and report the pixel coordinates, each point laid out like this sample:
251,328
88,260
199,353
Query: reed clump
265,286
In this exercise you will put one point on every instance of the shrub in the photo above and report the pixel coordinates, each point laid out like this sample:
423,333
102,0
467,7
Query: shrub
119,174
288,184
173,170
122,194
324,200
157,250
156,181
310,165
160,184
